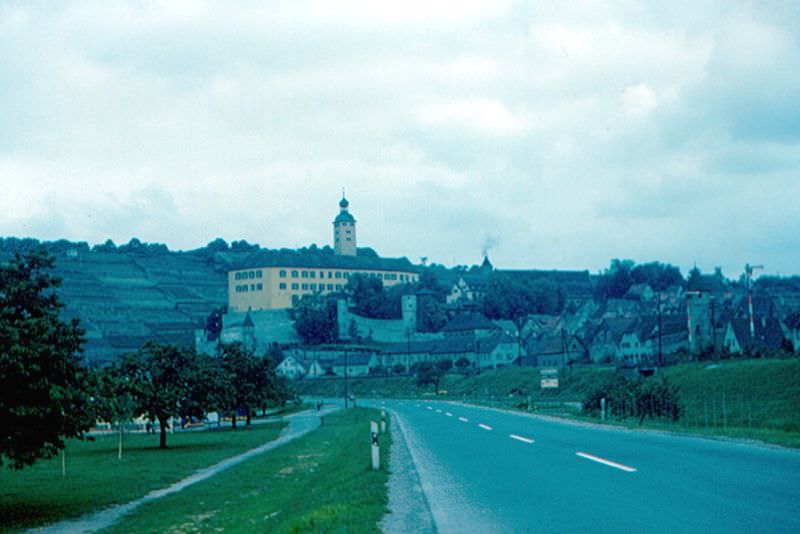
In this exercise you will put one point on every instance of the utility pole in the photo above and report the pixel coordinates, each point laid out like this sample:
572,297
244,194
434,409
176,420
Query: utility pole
660,353
748,271
346,387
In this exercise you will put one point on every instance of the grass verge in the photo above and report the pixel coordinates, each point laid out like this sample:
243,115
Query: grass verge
321,482
95,478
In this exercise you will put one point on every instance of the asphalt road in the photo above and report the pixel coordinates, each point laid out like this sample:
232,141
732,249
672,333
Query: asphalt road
484,470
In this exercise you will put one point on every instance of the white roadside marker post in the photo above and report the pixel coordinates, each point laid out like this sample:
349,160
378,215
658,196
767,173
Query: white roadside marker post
603,409
376,451
383,421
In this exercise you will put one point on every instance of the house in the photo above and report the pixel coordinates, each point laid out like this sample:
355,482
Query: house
554,349
290,368
470,324
768,336
354,364
641,292
604,343
468,288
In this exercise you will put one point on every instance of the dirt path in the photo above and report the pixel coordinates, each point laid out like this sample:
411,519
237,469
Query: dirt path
299,424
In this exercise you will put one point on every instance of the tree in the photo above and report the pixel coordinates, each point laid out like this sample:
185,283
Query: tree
44,389
462,364
114,400
315,321
695,281
615,281
428,373
161,378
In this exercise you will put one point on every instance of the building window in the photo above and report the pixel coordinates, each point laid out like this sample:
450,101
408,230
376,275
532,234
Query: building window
338,274
305,274
260,286
295,286
281,285
282,274
252,274
244,288
330,287
305,286
312,274
237,276
294,274
346,274
322,274
259,274
252,287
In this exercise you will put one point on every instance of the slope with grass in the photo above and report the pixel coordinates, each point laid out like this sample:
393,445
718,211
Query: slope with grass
95,478
758,399
320,483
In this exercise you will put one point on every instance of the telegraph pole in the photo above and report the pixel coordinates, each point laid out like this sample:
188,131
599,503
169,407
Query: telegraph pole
748,271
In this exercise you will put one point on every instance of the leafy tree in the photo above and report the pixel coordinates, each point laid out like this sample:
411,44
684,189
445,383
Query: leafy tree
428,373
432,315
161,380
371,299
462,364
695,281
315,321
658,276
615,281
114,401
444,365
214,324
44,389
399,369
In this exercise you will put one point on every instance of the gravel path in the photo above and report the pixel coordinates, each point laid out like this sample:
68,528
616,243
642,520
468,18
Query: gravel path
299,424
409,510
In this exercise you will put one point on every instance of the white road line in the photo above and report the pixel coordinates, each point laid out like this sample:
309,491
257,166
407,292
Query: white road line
520,438
448,414
485,427
463,419
606,462
428,407
438,411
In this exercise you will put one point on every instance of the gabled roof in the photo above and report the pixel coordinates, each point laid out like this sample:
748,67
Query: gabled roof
291,258
469,321
769,334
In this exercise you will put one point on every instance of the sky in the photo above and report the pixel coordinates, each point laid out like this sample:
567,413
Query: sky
555,135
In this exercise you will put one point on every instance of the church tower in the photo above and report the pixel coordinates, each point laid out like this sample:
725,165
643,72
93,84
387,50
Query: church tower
344,231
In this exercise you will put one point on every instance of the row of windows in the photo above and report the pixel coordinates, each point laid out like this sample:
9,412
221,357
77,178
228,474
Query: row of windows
244,275
244,288
313,287
345,274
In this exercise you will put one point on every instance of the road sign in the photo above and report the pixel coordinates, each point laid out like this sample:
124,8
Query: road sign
548,378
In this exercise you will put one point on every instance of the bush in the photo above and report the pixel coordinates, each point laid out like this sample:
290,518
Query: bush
644,397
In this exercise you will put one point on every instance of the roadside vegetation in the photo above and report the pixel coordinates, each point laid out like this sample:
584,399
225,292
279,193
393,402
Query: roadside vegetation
752,398
96,478
322,482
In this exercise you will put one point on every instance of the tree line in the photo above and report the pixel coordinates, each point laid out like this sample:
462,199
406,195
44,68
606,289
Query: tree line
47,394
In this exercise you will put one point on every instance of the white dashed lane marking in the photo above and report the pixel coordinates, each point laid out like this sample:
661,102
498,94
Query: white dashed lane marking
463,419
438,411
448,414
606,462
428,407
520,438
485,427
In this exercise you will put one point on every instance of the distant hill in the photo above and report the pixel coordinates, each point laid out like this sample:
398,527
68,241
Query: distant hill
127,295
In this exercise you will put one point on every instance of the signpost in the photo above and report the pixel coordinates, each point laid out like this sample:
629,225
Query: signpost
548,378
376,451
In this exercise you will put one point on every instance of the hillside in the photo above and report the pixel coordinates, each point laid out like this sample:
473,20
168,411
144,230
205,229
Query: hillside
127,295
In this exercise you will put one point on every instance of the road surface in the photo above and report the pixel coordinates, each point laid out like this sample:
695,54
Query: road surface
484,470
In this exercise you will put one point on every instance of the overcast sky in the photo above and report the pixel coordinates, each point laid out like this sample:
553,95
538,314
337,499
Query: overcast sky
561,137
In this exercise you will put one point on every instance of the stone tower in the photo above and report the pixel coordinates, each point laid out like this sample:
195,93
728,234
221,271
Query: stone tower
344,231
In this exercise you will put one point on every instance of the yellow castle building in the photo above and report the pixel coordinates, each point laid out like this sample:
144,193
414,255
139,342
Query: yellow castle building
271,280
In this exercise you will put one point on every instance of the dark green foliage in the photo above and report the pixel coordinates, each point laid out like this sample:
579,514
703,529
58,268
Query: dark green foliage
44,389
462,364
659,276
371,299
428,373
695,281
161,378
511,298
641,398
315,321
615,281
399,369
214,324
444,365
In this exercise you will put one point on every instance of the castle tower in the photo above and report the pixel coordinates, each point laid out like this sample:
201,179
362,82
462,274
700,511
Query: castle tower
344,231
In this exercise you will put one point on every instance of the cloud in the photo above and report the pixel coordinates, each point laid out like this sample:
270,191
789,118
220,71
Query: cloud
571,133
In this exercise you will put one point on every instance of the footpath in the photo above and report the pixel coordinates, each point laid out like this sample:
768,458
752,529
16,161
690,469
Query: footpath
299,424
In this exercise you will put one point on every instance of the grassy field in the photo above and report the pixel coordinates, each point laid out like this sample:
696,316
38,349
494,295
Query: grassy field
319,483
755,399
95,478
